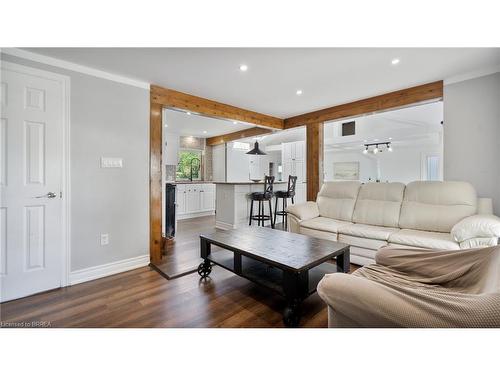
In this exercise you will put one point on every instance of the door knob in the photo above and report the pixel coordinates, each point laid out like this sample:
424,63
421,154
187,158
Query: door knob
48,195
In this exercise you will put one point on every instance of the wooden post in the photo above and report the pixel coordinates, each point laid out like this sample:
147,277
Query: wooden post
155,210
314,166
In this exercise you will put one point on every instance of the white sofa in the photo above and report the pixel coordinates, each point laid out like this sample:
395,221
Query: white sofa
423,214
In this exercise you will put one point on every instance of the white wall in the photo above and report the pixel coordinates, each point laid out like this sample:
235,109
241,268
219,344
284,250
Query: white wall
402,165
107,119
219,163
367,164
170,148
405,165
238,166
472,134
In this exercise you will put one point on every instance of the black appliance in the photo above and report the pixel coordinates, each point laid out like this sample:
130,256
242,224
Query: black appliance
170,210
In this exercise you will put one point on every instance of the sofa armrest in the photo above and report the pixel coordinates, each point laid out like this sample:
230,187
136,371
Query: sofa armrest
304,211
476,226
478,242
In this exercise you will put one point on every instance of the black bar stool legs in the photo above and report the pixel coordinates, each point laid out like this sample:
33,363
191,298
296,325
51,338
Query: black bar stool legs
284,195
262,197
261,216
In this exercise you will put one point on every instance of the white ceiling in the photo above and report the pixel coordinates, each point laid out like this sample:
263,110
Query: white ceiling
181,123
327,76
408,126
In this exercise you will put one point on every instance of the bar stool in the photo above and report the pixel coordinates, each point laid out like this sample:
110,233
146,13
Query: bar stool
285,194
262,197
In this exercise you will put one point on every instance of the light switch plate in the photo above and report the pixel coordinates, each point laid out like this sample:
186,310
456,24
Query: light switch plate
111,162
104,239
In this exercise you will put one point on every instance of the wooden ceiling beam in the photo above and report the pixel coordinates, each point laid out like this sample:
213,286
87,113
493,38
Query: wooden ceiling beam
245,133
196,104
392,100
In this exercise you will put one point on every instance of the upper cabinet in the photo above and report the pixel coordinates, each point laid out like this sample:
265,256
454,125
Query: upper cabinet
293,154
293,151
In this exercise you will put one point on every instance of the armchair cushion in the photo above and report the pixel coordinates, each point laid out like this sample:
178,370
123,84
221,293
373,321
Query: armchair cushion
418,288
482,226
304,211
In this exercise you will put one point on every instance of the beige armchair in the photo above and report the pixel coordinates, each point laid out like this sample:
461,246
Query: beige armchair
417,288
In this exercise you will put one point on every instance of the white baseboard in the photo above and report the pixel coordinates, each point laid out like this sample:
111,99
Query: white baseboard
224,226
195,214
108,269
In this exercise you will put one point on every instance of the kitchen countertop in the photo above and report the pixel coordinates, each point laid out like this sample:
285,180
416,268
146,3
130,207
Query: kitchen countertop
223,183
248,183
189,182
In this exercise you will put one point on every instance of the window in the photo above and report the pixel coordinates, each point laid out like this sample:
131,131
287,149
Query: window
189,165
432,168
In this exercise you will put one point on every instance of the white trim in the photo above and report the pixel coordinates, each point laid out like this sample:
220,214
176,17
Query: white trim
472,75
65,168
74,67
195,214
224,226
103,270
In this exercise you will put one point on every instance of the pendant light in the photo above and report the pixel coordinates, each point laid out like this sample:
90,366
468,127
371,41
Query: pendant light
256,150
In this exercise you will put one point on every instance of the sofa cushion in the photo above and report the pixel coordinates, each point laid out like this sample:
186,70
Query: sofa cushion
331,236
324,224
379,204
436,206
368,231
367,243
419,238
336,200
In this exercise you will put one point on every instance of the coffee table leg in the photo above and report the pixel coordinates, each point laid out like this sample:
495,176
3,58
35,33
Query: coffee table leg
205,267
295,286
343,262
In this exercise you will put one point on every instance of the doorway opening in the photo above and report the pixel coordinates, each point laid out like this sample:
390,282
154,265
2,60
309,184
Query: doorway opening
401,145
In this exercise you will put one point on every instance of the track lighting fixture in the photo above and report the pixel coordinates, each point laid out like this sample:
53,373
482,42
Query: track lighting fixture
377,149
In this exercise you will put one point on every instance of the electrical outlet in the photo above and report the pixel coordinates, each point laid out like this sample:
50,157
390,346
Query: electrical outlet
104,239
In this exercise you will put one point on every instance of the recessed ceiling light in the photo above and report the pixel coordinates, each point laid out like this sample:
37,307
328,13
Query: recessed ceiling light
243,67
166,125
390,138
188,113
299,92
395,61
204,132
235,122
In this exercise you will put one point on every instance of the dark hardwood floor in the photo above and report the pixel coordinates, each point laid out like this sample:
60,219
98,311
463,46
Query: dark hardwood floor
183,253
143,298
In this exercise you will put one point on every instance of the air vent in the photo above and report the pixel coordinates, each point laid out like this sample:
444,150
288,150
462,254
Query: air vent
348,128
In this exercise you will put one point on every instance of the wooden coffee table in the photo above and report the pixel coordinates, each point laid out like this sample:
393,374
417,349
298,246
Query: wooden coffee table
289,264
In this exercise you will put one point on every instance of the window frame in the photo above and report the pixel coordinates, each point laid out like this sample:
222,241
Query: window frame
200,156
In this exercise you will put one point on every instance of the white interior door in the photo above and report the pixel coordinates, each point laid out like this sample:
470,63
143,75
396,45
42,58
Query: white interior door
32,121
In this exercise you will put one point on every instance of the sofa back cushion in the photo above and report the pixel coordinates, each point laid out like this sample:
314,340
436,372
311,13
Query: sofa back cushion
379,204
336,200
436,206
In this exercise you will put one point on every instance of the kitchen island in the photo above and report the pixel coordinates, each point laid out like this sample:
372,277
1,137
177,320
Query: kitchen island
233,202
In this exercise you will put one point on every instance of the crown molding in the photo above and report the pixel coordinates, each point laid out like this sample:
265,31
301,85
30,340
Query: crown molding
17,52
472,75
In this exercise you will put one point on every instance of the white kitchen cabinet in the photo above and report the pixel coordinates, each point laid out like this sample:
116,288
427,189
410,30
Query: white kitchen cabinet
194,200
293,160
294,150
180,199
207,197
